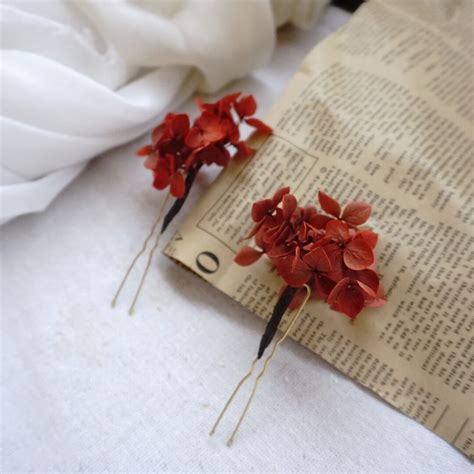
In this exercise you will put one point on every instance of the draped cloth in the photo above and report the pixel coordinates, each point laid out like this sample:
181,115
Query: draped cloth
78,78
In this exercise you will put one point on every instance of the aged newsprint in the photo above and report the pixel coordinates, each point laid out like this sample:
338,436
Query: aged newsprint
381,111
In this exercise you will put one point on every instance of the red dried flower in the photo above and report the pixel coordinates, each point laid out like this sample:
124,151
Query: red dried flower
178,148
327,252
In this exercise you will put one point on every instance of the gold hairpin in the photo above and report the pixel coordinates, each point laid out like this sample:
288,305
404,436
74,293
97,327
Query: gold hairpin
259,376
136,258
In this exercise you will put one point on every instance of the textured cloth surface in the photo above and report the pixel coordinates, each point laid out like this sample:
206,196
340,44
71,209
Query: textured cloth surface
79,78
90,389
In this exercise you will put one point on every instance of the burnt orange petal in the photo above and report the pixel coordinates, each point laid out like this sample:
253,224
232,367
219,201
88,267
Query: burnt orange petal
319,221
260,209
215,133
318,260
226,102
259,125
368,277
247,255
179,125
244,149
203,105
232,131
151,162
158,133
207,120
337,230
289,204
162,176
322,286
177,186
329,205
358,255
246,106
298,299
356,213
278,196
369,293
347,298
144,150
295,272
194,138
369,237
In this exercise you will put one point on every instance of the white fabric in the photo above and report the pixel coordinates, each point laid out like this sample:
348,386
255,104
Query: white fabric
80,78
86,388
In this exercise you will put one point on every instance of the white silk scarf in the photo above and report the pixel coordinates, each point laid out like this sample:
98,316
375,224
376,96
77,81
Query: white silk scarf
78,78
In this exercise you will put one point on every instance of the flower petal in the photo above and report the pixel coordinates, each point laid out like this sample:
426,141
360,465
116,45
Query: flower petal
295,273
338,230
151,161
212,154
226,102
144,150
278,196
232,131
179,126
298,299
194,138
329,205
201,104
318,260
259,125
356,213
214,134
279,251
177,186
161,175
369,293
158,133
289,205
247,255
358,255
367,277
369,237
319,221
260,209
347,298
246,106
212,128
322,286
244,149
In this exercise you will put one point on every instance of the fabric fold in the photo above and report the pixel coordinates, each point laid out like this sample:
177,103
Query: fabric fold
79,78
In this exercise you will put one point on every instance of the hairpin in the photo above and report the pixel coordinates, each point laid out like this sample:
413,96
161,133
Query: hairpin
321,256
179,149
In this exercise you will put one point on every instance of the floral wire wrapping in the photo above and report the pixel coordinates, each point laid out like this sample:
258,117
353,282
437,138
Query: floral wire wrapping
320,255
179,149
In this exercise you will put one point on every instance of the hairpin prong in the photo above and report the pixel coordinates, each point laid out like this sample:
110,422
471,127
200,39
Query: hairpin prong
259,376
265,365
234,393
140,253
145,272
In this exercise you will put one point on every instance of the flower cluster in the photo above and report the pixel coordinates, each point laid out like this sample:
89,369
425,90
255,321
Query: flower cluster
178,146
327,251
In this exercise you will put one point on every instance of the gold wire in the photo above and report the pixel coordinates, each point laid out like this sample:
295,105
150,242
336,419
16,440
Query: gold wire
140,253
267,361
148,264
234,393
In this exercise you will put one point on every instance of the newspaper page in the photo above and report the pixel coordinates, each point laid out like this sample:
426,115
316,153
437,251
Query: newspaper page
381,111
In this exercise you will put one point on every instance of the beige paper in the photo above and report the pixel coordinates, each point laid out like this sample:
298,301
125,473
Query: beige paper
381,111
